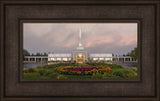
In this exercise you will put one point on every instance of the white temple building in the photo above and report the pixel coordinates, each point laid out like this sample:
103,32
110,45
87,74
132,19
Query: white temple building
80,55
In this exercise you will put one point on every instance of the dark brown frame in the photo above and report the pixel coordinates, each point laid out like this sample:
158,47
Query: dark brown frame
156,97
81,21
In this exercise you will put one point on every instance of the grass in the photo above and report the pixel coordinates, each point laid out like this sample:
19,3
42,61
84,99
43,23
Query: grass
126,73
49,72
33,76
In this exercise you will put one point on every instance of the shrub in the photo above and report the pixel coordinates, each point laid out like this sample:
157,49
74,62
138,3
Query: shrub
48,72
119,66
42,72
38,67
116,66
61,77
125,73
25,70
109,75
53,75
134,69
97,75
118,73
46,66
31,70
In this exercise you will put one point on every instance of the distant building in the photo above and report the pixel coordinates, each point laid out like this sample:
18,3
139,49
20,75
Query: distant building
59,57
100,57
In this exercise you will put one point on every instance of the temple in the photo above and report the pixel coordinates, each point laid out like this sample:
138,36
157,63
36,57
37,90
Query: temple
80,55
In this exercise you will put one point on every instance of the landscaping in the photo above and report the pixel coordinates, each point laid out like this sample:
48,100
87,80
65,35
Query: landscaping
80,71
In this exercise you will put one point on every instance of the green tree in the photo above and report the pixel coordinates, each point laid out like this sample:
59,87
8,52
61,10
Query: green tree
25,53
45,54
38,54
134,53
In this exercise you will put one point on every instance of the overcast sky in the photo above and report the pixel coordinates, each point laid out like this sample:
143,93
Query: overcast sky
116,38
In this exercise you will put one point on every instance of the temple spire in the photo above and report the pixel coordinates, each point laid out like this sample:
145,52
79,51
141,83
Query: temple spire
80,36
80,47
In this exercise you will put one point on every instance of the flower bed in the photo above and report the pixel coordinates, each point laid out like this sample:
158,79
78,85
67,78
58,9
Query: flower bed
86,70
73,70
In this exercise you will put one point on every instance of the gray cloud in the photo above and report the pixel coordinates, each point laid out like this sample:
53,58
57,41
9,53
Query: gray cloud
117,38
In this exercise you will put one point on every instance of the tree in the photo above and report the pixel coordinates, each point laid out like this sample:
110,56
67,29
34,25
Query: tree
45,54
25,53
134,53
38,54
41,54
128,54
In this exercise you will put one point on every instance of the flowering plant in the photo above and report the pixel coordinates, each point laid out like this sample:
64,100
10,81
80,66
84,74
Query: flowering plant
86,70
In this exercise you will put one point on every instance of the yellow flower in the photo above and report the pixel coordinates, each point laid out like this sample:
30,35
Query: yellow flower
86,72
78,72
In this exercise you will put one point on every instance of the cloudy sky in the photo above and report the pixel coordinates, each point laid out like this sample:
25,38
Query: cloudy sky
116,38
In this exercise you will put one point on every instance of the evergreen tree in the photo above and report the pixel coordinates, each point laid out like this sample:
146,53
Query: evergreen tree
134,53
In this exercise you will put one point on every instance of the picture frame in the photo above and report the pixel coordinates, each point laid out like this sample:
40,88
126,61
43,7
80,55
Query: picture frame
14,13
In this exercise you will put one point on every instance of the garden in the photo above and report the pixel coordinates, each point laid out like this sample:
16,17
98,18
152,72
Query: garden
80,71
